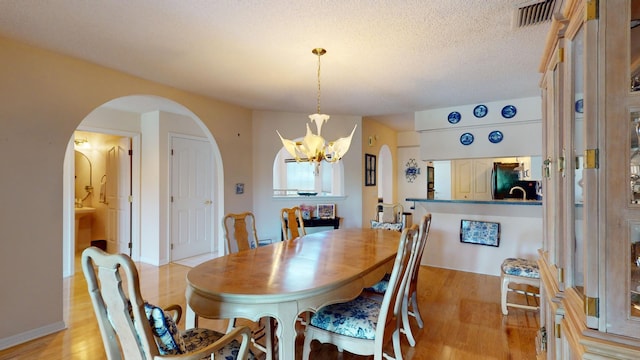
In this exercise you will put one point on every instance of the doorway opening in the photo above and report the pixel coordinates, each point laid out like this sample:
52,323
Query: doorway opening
148,205
385,175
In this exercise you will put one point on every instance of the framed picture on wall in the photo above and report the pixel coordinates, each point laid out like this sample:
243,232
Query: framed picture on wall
480,232
369,170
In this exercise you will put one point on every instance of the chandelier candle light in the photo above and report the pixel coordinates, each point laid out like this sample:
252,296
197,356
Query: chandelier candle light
313,148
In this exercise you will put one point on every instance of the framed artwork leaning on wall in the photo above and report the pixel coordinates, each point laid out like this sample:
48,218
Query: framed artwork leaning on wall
326,211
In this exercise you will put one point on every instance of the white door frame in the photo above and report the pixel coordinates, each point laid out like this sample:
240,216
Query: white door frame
68,194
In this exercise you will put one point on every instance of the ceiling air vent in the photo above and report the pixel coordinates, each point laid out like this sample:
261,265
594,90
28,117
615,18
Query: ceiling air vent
534,12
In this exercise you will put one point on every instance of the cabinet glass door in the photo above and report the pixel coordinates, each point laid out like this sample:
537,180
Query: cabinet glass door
634,45
621,124
576,162
634,226
553,174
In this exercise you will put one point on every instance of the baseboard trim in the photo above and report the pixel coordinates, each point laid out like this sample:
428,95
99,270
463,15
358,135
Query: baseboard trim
18,339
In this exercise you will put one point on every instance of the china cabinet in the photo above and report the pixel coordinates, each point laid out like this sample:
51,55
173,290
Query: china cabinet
590,259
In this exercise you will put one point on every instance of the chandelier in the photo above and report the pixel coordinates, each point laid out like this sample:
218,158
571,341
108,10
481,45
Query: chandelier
313,148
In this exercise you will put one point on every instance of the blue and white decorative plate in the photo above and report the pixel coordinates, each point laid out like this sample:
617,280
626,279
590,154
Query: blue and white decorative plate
454,117
466,138
579,105
509,111
495,136
480,111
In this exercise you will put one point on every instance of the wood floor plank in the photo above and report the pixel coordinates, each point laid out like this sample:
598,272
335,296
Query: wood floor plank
461,312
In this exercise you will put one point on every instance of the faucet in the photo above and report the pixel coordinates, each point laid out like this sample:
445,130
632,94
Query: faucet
524,193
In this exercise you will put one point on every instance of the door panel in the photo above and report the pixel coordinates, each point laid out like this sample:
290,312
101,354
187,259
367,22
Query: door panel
118,191
191,175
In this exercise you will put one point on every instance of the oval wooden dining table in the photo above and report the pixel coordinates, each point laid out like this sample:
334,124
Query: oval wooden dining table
284,279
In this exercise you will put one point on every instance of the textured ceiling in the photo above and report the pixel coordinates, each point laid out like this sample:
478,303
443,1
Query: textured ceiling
385,59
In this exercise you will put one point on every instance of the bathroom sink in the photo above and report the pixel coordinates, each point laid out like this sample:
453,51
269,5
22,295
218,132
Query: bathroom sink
80,212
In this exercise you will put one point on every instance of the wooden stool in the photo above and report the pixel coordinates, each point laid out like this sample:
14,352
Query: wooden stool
519,271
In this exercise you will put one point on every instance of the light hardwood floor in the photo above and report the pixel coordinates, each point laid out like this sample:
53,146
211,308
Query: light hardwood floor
461,312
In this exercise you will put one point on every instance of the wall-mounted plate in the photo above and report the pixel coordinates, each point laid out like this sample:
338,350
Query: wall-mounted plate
466,139
509,111
454,117
480,111
496,136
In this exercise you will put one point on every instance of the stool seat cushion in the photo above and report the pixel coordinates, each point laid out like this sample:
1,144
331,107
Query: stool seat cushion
521,267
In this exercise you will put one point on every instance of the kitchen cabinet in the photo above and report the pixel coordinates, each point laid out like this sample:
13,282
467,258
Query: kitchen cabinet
471,179
590,259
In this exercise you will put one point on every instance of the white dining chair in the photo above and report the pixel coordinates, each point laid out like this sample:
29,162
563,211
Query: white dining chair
410,301
362,326
133,329
241,235
292,223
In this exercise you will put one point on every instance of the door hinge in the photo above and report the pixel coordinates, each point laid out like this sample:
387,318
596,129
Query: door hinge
541,340
171,246
560,55
130,245
558,330
592,306
591,159
171,152
130,198
591,11
561,275
130,152
171,198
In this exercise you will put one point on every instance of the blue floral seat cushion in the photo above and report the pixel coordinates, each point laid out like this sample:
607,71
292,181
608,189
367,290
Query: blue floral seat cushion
356,318
521,267
386,225
198,338
381,286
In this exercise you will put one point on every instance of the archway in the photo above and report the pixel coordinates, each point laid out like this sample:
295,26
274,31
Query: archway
128,108
385,174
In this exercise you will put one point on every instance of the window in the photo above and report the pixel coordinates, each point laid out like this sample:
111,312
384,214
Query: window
291,177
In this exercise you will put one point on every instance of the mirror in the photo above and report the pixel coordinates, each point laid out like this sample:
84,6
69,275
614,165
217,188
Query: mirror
83,177
471,179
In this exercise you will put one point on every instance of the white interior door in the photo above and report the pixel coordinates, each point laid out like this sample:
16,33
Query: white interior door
118,196
191,197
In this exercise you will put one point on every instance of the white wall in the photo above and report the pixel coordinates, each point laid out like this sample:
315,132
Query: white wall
440,140
417,188
44,96
520,227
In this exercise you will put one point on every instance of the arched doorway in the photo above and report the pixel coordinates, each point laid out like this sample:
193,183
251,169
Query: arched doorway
385,175
130,117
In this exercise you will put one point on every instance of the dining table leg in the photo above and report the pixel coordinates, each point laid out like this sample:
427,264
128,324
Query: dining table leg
191,319
286,313
286,330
